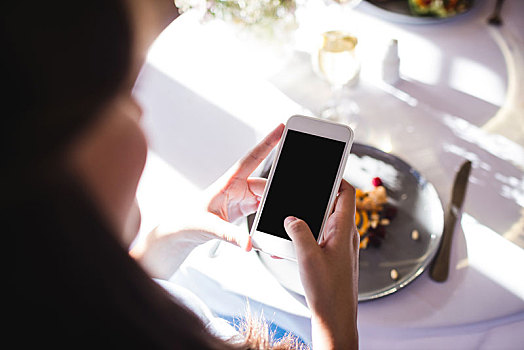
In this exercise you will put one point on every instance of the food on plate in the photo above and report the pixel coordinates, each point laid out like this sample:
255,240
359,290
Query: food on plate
373,214
393,274
373,200
438,8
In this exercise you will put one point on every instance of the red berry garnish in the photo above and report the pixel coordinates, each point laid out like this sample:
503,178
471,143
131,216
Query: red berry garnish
376,181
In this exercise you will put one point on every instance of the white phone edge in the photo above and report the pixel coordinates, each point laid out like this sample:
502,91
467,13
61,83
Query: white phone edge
281,247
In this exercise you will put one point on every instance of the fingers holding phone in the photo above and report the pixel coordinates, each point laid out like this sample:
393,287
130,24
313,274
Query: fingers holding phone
329,272
306,246
334,262
340,228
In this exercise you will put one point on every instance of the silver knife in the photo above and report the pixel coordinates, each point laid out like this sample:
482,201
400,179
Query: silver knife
439,269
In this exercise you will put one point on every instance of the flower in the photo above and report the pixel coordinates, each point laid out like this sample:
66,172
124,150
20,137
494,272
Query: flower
244,12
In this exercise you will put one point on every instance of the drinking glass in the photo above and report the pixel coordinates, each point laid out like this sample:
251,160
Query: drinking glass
337,62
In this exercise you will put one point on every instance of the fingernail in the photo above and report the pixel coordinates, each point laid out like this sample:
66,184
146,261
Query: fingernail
249,245
289,220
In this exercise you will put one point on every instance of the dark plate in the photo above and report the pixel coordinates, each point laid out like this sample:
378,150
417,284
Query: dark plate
418,207
398,11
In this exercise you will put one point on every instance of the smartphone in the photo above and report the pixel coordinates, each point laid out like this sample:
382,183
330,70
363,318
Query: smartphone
303,182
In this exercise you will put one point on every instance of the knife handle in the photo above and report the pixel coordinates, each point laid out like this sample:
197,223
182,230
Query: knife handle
439,269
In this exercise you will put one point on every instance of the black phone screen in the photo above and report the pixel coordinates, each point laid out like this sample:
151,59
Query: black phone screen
302,182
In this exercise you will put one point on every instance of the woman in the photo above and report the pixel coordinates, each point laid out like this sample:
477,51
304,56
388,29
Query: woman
74,155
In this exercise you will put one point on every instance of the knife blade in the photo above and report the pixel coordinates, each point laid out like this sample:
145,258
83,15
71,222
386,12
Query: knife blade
439,269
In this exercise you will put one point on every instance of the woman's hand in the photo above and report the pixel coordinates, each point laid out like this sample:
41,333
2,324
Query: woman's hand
233,196
329,273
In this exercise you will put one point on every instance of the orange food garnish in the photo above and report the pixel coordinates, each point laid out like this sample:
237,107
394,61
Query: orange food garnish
365,222
364,243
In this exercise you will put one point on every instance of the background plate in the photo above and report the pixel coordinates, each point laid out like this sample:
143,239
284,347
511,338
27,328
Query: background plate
398,11
418,207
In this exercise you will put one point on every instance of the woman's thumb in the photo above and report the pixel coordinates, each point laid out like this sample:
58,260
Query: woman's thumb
301,235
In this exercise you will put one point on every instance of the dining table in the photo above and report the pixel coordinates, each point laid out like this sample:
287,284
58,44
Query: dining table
211,89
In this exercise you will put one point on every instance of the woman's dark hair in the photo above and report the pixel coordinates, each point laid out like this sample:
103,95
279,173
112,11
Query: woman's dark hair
75,284
77,287
62,62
